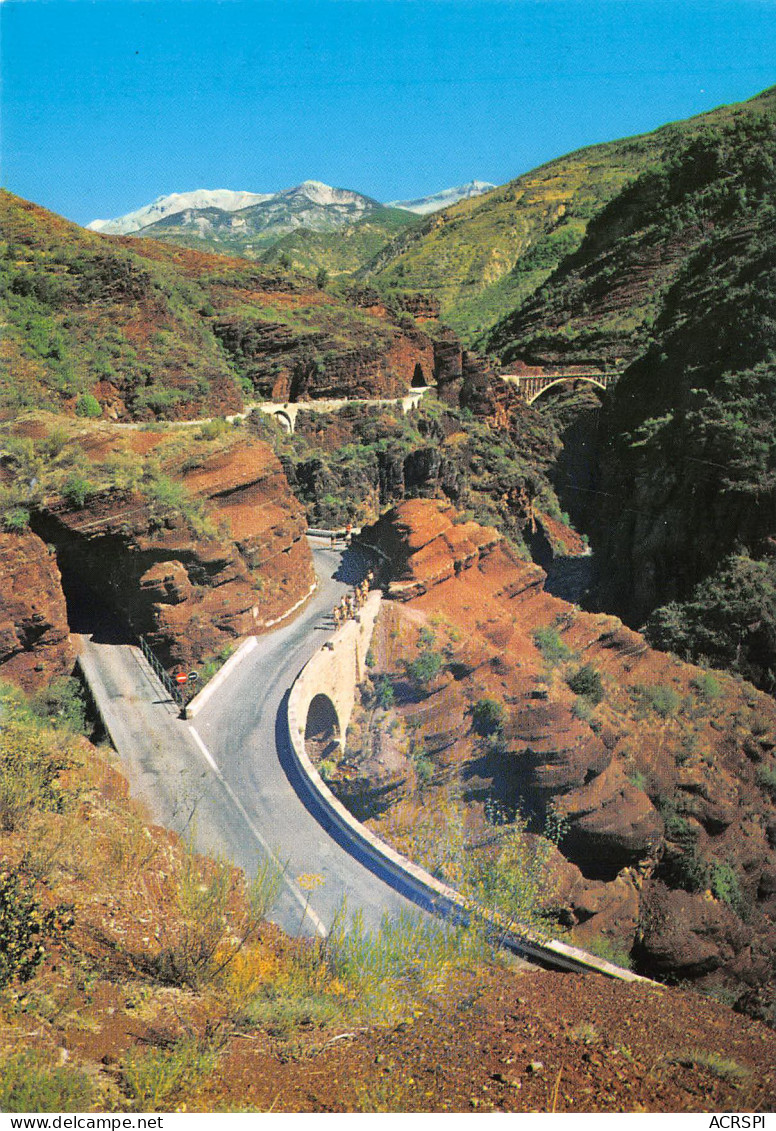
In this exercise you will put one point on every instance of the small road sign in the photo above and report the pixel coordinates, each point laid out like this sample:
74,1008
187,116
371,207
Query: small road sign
193,677
181,677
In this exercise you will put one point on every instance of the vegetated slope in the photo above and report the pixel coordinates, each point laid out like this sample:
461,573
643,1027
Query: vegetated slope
350,466
158,975
141,330
687,516
486,257
344,251
489,697
601,302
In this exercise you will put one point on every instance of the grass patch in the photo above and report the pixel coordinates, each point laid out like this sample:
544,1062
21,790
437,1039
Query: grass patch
723,1067
27,1084
155,1079
548,641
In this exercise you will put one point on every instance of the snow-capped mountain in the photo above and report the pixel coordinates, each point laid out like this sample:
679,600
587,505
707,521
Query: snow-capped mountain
311,204
426,204
227,200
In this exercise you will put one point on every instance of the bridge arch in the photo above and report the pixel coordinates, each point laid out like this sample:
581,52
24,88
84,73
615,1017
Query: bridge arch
322,732
534,394
284,420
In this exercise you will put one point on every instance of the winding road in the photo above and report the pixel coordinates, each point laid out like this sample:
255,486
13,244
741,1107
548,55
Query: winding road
226,779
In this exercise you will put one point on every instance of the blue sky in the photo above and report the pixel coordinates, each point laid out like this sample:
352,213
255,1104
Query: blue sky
107,104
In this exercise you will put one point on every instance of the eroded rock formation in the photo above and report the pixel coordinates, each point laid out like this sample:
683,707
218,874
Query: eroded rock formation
658,772
34,635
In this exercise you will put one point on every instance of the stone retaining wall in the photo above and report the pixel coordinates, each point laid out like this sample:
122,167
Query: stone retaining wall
335,671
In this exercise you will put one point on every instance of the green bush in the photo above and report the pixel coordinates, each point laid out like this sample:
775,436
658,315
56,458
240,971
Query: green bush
586,681
28,1085
488,717
549,643
16,520
154,1078
77,489
725,885
385,695
23,927
31,760
212,429
766,777
88,405
658,698
61,705
424,669
706,686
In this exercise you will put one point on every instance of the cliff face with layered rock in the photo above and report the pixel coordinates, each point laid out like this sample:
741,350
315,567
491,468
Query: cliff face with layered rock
656,772
35,644
133,329
193,551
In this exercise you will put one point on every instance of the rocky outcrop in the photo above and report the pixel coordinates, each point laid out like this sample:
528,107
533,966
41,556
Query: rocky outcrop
285,365
192,589
426,546
655,772
34,635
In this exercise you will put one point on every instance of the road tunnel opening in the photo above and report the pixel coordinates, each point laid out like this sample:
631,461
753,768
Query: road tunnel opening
88,613
418,380
322,730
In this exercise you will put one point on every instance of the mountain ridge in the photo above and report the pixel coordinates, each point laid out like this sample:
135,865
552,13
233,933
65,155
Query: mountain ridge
230,200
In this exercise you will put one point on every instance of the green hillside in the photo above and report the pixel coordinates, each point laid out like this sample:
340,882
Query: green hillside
486,257
137,329
344,251
601,302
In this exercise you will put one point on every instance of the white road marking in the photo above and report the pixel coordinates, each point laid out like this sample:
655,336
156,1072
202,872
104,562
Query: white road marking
302,900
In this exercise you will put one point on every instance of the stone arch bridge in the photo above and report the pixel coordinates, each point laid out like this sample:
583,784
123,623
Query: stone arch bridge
286,413
531,386
325,693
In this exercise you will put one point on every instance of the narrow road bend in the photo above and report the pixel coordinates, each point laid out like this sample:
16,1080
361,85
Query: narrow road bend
226,778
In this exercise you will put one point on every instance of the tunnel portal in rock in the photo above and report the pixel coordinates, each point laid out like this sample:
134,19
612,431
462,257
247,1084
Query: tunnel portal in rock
322,733
418,380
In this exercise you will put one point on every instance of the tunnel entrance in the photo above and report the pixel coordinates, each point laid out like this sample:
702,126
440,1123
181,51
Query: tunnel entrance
418,380
322,731
88,613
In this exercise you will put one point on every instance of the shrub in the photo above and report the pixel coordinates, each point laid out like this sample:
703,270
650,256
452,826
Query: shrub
385,695
424,766
424,669
16,520
488,717
27,1085
659,698
724,885
30,764
766,777
23,926
88,405
586,681
212,429
689,871
61,705
154,1078
706,686
77,489
192,954
549,643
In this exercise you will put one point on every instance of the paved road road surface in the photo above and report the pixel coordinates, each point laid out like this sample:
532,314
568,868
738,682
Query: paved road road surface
226,778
